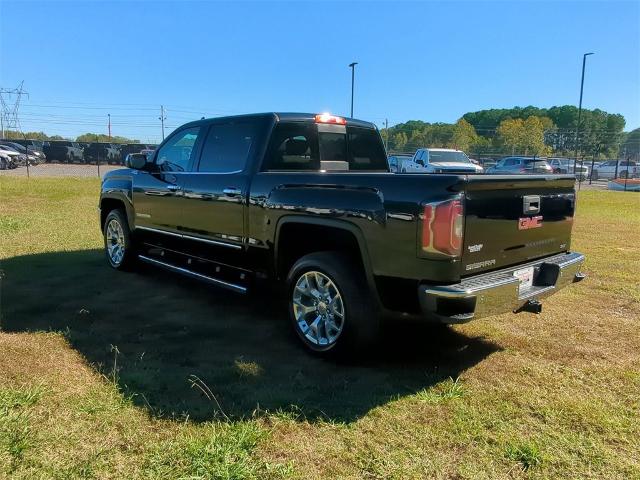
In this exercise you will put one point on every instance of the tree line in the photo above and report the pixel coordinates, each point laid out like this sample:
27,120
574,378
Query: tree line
85,137
522,130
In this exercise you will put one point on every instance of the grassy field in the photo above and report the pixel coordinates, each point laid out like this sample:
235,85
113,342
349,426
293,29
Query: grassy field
147,375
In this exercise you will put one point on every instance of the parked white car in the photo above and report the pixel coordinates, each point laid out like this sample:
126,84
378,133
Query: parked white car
17,157
440,160
625,169
565,165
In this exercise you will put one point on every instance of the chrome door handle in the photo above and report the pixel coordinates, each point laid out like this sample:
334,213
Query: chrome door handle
231,191
173,188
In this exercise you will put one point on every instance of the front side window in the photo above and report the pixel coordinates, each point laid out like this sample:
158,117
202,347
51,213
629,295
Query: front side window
227,147
175,155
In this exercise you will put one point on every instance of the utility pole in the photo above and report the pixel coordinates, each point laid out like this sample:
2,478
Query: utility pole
584,61
386,130
353,76
162,118
109,115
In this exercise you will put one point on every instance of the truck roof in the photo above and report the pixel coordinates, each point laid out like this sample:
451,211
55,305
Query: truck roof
280,116
442,149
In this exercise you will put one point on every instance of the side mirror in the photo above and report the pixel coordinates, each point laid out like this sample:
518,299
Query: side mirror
136,161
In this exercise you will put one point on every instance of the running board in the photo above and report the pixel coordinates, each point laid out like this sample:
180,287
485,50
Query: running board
198,276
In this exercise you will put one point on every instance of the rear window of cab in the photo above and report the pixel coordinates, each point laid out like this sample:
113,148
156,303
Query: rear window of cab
305,146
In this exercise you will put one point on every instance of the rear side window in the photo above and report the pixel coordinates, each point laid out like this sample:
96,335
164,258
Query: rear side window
227,147
294,146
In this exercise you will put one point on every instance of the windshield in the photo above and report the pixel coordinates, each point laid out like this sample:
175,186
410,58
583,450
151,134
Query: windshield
436,156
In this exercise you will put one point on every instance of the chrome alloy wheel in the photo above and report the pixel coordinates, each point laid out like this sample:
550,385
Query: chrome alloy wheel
318,308
115,241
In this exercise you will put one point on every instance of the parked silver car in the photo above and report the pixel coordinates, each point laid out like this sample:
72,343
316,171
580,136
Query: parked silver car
520,166
566,165
616,169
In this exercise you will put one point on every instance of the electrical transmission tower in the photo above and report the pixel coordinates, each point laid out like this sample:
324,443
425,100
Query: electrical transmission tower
10,103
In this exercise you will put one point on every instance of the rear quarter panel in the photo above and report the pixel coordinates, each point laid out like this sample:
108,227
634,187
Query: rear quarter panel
384,207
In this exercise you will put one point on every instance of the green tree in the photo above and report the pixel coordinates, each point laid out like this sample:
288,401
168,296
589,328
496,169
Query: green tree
464,135
102,138
631,144
525,136
511,134
398,141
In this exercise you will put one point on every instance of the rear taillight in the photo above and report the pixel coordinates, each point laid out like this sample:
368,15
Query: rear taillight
328,118
442,227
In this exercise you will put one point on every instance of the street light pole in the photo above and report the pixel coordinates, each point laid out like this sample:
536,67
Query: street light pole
584,61
109,115
162,118
353,76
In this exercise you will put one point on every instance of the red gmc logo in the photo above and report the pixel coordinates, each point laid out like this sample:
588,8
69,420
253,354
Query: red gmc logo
529,222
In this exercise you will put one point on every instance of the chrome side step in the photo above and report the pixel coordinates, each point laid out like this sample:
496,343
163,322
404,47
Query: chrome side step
189,273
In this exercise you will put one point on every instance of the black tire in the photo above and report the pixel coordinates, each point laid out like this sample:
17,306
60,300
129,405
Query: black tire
624,174
360,324
127,260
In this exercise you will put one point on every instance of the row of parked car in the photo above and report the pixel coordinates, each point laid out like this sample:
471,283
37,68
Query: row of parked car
446,160
15,153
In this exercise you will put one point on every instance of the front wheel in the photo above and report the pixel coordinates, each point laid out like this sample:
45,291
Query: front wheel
330,306
118,246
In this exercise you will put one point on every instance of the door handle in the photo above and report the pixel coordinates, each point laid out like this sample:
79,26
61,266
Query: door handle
231,191
173,188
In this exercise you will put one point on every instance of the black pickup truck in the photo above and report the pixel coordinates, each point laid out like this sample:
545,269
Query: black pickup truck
308,200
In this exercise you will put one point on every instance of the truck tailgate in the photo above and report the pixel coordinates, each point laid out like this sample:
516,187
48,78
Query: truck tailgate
510,220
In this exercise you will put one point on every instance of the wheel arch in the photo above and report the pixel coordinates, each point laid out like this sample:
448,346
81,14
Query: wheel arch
111,202
337,235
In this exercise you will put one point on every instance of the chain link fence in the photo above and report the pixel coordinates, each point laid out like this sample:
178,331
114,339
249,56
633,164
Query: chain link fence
589,172
33,158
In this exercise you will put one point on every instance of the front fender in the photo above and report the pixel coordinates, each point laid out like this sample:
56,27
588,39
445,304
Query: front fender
118,187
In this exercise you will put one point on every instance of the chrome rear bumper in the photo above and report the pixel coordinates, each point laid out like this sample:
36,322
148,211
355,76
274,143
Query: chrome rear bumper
498,292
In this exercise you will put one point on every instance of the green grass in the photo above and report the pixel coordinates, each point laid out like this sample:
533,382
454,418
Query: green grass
149,376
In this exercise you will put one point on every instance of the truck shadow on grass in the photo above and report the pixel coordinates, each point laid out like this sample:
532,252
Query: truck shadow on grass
164,329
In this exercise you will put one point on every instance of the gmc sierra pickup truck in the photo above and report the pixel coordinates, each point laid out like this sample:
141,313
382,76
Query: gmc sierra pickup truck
308,200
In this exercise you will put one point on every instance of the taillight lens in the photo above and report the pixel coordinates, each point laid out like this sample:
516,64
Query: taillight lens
442,228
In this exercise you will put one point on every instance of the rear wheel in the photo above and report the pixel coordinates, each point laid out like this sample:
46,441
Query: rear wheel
330,306
623,174
118,246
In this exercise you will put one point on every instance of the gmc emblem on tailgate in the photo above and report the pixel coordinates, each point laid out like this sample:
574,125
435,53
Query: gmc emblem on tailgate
529,222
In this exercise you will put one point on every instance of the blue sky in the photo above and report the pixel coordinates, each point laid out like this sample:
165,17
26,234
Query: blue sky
421,60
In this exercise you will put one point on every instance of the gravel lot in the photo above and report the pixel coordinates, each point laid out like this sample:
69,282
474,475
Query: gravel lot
60,170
